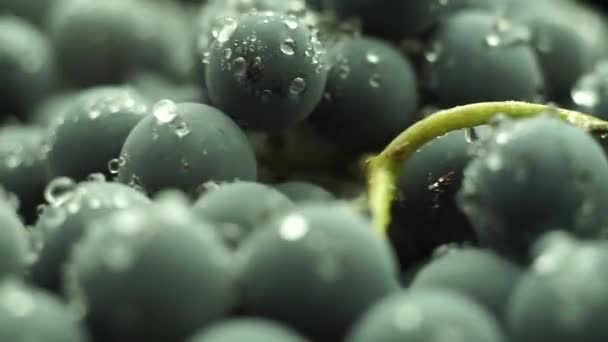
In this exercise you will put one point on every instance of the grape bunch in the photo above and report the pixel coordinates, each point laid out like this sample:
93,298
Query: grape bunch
303,170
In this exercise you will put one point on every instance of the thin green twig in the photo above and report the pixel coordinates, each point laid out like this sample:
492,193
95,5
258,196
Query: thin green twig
384,169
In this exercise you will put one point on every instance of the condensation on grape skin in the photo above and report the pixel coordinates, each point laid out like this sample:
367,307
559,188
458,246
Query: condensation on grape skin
375,80
288,47
165,111
294,227
114,165
239,67
59,190
228,26
297,86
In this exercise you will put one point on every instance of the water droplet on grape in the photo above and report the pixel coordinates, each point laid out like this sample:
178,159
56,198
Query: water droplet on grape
228,27
375,81
239,66
165,111
297,86
182,130
59,190
288,47
115,164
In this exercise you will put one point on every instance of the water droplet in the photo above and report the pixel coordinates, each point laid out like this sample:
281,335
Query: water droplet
293,228
228,27
587,92
182,130
165,111
375,81
288,47
227,53
96,177
239,66
433,55
291,22
372,58
206,57
266,95
59,190
297,86
115,164
470,135
492,40
94,114
343,71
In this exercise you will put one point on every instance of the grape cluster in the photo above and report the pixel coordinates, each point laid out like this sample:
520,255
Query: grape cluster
200,171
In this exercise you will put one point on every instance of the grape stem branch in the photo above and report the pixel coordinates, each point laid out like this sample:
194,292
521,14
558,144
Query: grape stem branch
383,170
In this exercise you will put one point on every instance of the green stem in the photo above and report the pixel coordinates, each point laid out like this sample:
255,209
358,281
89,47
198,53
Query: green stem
384,169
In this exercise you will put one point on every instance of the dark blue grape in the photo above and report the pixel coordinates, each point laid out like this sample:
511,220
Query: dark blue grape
479,274
238,209
14,248
316,269
531,176
265,70
562,298
425,214
184,146
391,19
247,329
22,167
27,67
29,314
94,128
100,42
371,95
472,47
63,222
426,316
151,274
563,53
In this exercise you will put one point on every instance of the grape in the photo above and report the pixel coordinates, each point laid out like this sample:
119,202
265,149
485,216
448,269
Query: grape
100,42
467,272
562,52
22,168
426,315
151,274
14,249
238,209
183,146
265,70
28,314
102,118
495,6
472,47
34,11
27,66
393,20
531,177
300,192
63,222
247,329
425,214
316,269
562,297
376,69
